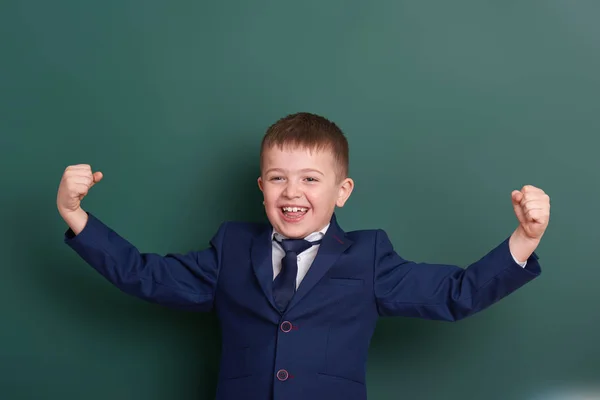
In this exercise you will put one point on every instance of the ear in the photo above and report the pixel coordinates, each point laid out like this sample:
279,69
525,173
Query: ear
344,192
260,183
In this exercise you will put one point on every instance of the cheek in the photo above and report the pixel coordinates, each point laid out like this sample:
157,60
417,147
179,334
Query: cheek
268,191
271,196
323,200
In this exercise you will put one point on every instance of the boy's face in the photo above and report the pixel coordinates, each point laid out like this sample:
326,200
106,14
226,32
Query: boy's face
301,189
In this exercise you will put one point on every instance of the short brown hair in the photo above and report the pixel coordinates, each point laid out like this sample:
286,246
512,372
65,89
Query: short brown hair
309,131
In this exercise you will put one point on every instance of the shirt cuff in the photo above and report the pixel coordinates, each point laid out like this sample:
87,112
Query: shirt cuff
522,264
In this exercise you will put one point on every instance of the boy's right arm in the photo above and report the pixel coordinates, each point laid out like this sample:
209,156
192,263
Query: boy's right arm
184,281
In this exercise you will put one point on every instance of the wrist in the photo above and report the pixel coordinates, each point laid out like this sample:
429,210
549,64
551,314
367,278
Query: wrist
76,220
521,245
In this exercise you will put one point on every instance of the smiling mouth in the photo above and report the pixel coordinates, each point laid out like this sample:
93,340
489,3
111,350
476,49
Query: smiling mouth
293,214
294,209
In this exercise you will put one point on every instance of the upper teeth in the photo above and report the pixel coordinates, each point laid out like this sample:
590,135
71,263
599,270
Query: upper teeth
294,209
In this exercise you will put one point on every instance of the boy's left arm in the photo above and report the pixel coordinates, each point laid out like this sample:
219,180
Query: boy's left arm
448,292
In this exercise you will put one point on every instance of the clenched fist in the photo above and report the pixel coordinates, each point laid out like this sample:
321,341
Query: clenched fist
532,208
74,186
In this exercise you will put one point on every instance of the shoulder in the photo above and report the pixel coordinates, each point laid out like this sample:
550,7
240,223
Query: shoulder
377,239
364,234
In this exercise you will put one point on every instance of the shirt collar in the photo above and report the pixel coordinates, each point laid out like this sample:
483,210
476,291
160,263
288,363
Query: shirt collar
313,236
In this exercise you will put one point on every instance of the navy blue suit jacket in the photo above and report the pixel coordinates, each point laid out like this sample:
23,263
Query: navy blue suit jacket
318,348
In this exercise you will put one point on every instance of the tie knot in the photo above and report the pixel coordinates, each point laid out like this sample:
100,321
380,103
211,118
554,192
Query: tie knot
296,246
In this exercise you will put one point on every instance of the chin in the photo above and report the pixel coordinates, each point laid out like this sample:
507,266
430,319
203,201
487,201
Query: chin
290,228
292,232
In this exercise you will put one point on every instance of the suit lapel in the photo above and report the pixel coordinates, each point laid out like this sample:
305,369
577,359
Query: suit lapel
262,262
334,243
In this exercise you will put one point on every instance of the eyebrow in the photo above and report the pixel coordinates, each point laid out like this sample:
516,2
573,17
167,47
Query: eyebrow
302,170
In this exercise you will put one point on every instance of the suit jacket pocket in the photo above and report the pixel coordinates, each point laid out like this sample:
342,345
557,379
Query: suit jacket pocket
346,281
340,379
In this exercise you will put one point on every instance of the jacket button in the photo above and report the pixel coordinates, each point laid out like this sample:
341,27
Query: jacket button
282,375
286,326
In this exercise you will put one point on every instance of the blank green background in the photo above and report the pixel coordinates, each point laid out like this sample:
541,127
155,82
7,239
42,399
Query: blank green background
448,107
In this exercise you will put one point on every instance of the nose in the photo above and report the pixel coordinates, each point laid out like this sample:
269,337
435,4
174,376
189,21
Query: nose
292,191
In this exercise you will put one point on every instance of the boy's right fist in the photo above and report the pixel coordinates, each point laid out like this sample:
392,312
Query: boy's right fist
74,186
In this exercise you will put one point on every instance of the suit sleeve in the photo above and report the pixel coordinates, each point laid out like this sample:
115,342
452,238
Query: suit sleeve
184,281
445,292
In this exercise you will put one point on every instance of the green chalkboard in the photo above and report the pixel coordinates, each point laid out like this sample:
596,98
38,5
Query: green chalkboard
448,107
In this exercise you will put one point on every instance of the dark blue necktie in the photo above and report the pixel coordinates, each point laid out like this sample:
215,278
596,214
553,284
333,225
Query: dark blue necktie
284,285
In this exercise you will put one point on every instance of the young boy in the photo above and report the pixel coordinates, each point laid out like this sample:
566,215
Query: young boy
298,299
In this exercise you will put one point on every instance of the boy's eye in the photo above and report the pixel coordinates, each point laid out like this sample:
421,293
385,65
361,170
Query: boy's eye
311,179
275,178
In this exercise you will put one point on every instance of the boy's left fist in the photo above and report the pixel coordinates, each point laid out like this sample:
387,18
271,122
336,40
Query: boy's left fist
532,208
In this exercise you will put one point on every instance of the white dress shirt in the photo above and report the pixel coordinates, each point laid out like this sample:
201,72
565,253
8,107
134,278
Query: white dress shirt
306,258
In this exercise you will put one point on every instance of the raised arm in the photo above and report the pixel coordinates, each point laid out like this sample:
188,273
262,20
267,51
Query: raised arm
445,292
184,281
448,292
